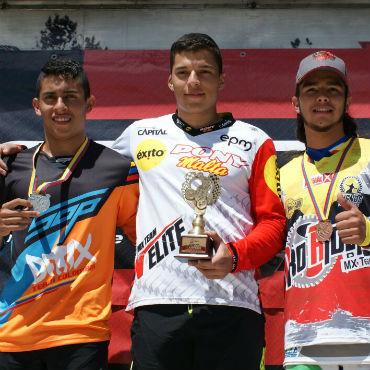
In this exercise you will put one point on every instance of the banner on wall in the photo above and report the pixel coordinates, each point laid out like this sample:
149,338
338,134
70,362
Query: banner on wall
132,84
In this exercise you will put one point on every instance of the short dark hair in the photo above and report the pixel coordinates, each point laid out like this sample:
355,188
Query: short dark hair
66,68
349,123
195,42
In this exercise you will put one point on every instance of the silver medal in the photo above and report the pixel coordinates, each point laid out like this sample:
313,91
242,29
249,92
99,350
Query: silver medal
40,202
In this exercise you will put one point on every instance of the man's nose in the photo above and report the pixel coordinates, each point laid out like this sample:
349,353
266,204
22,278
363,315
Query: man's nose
60,104
193,79
322,98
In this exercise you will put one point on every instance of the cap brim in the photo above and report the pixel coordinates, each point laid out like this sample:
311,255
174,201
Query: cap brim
329,68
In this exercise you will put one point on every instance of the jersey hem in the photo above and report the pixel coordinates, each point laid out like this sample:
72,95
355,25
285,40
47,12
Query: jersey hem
149,302
51,344
327,361
331,341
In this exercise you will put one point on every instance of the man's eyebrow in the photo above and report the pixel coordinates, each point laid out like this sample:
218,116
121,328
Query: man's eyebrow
52,92
330,82
309,83
205,65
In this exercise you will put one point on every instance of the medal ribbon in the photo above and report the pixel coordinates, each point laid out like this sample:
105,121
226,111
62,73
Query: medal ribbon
328,195
33,188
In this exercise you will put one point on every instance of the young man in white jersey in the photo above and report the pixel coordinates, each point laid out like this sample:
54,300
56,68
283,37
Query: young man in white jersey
327,203
204,314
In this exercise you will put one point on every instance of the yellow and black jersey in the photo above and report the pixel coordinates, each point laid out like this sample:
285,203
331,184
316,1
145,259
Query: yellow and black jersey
327,283
55,277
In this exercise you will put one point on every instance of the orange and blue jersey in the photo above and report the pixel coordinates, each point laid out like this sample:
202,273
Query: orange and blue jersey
55,277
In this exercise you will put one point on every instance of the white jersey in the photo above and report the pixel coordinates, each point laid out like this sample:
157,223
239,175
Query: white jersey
164,153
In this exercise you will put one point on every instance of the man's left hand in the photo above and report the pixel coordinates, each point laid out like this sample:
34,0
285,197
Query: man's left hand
220,264
351,224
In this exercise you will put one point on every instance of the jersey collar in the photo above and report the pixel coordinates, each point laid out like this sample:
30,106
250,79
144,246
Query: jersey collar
315,155
225,120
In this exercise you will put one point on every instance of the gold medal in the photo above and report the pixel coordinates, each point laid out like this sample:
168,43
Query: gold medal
324,229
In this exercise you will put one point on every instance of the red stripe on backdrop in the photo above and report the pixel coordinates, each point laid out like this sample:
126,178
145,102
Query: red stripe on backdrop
132,84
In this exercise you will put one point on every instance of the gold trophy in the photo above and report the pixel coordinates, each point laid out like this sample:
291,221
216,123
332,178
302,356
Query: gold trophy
200,191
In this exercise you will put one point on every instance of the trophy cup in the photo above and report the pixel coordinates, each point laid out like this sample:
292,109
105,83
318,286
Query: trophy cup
200,191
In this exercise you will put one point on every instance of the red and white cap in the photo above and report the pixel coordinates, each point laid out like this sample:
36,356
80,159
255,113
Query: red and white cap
321,60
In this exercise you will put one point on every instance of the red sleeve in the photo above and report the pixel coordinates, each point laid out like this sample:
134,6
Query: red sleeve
268,235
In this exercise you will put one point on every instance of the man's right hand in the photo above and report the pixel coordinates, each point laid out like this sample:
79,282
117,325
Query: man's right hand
7,149
16,215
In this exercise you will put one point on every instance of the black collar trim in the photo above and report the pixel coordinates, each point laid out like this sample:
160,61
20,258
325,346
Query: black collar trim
225,120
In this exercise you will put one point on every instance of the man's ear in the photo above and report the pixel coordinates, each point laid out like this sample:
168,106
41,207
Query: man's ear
295,103
36,106
348,102
90,103
221,82
170,84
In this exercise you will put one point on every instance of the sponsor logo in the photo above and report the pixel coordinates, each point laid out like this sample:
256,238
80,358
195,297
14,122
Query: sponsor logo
351,262
151,131
292,352
146,240
322,178
351,189
308,261
205,159
225,123
61,261
324,55
156,247
291,205
233,140
150,153
207,129
64,216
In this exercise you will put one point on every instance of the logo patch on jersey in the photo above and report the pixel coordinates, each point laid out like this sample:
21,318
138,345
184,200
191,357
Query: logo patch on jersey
151,131
292,352
62,262
319,179
65,215
291,205
156,247
351,261
351,189
233,140
150,153
202,158
309,261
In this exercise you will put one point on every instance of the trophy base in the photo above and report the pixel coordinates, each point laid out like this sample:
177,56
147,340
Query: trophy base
195,247
194,256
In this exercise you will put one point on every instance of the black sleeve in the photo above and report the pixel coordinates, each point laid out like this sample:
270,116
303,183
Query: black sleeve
2,189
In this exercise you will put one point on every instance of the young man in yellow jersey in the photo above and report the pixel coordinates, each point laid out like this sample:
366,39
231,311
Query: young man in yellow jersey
327,203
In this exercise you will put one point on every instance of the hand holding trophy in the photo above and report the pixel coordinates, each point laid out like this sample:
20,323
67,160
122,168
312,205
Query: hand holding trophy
200,191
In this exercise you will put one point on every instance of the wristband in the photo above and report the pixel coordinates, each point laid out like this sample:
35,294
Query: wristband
234,255
366,241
